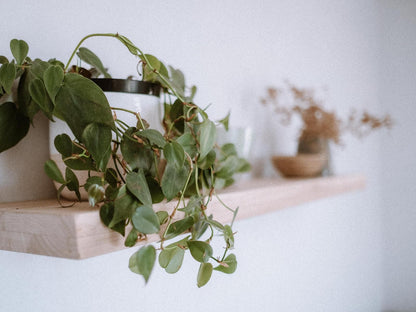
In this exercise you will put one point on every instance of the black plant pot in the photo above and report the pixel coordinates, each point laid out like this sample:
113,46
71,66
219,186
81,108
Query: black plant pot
127,86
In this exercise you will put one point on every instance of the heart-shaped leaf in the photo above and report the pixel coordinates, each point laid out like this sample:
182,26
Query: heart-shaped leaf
162,216
200,251
145,220
63,144
3,59
155,137
142,261
72,182
124,206
137,155
171,259
39,94
173,180
207,137
19,50
179,227
53,171
89,57
53,78
13,126
7,76
97,139
174,154
131,238
229,265
187,141
204,274
80,102
137,185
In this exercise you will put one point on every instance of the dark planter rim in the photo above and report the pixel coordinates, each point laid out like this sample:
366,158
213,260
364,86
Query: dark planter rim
127,86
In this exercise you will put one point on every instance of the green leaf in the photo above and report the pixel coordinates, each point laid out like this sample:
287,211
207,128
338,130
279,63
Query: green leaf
13,126
162,216
177,79
155,190
53,171
174,154
145,220
53,78
204,273
39,94
39,67
137,155
131,238
207,137
95,194
187,141
229,265
150,65
111,192
171,259
243,166
176,114
193,207
225,121
54,61
106,215
137,185
124,206
72,182
97,139
228,236
155,137
142,261
227,150
3,59
179,227
26,105
215,224
19,50
228,167
93,180
193,92
181,243
89,57
80,102
208,161
7,76
132,48
200,251
63,144
173,180
111,177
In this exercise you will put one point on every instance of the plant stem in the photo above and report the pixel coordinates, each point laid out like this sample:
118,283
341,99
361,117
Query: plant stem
178,204
82,40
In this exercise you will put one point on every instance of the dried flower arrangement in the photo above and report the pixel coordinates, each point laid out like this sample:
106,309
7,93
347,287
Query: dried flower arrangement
317,121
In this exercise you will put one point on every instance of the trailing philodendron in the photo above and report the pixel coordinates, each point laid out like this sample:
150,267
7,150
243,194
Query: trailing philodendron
130,166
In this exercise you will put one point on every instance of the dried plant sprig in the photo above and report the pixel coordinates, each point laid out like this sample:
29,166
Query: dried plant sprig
316,120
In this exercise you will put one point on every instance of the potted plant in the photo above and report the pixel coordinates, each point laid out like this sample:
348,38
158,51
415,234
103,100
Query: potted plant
130,166
319,128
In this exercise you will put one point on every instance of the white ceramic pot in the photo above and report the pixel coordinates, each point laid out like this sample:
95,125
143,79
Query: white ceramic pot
137,96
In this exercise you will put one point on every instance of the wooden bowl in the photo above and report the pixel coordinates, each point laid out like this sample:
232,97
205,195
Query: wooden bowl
301,165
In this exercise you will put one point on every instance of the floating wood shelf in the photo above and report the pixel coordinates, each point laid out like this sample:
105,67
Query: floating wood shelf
43,227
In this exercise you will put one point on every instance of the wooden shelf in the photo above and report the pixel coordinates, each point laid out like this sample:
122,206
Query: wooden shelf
43,227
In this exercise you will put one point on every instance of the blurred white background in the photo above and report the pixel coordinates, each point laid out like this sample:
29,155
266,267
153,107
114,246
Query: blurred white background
353,252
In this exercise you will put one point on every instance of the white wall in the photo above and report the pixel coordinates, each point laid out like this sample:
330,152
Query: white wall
398,94
323,256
